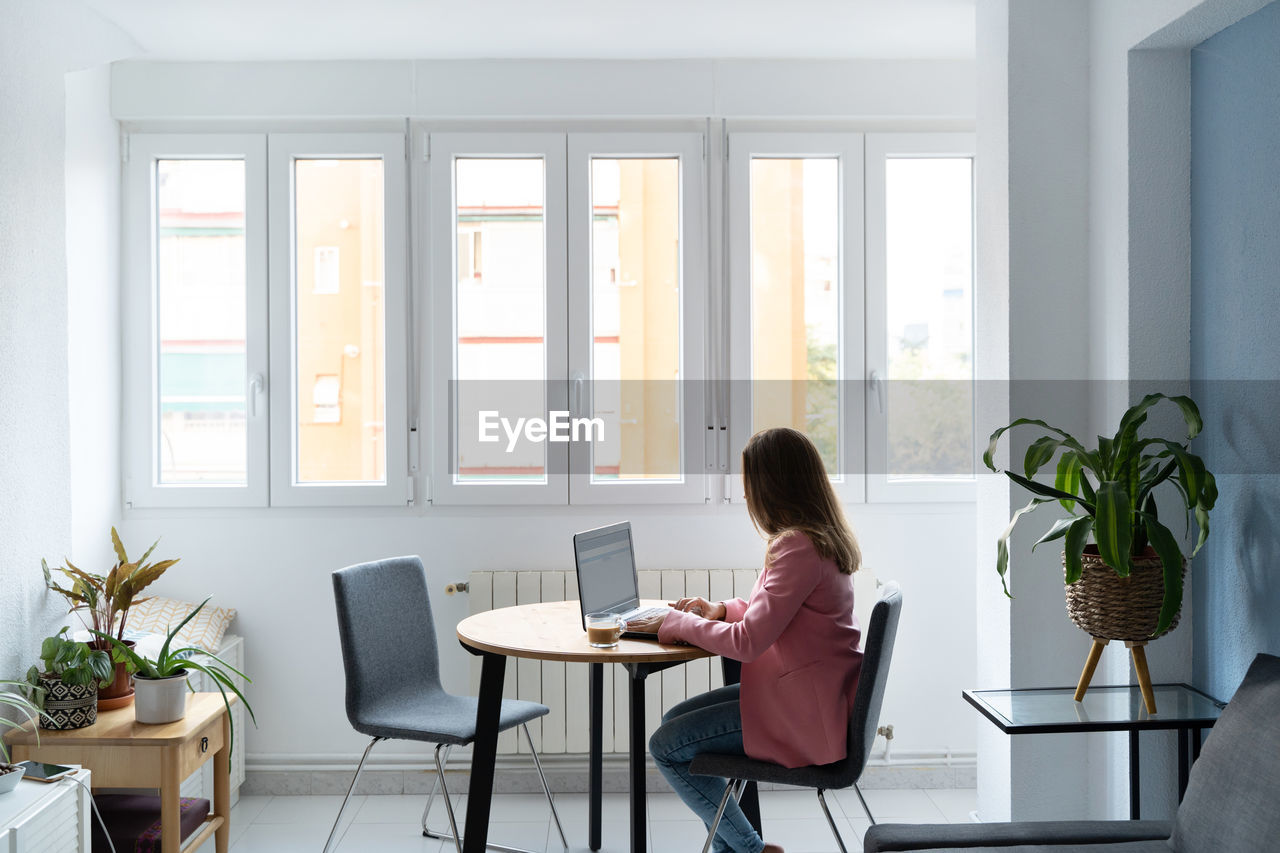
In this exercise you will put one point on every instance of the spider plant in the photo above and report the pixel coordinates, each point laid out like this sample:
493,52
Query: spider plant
28,708
1109,491
175,661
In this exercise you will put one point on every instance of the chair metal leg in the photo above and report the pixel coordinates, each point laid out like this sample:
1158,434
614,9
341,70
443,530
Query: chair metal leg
546,789
354,779
724,801
448,803
822,801
452,835
858,791
444,762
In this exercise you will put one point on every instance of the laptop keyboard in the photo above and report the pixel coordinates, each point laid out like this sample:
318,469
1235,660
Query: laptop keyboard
646,613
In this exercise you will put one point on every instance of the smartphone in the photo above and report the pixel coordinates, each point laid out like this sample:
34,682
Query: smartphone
41,772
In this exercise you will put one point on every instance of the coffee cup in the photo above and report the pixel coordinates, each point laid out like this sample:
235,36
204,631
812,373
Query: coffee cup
603,630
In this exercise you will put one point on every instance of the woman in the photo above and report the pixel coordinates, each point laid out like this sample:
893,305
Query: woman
797,637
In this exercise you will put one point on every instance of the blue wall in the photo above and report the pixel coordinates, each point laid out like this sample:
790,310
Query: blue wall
1235,342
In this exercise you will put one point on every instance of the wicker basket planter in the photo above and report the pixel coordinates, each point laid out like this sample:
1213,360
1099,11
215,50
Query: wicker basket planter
1109,607
68,706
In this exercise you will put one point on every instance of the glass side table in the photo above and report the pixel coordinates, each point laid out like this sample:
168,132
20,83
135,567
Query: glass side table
1053,710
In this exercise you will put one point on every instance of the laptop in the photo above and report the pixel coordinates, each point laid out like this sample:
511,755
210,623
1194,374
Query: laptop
607,581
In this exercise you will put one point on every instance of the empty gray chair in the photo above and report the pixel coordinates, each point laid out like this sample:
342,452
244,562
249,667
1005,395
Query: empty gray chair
864,718
392,669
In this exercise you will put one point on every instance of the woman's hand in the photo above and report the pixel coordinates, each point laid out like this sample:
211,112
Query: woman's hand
699,606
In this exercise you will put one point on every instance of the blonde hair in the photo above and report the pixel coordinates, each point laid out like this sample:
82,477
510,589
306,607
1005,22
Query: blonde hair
788,490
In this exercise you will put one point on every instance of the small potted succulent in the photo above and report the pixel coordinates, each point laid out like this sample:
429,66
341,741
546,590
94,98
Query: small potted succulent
66,689
161,683
10,774
107,599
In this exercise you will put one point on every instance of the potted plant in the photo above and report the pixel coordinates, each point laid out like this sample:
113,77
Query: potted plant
107,599
66,689
1122,566
161,683
10,774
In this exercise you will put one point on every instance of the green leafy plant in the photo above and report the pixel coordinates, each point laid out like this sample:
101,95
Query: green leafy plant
29,709
107,598
172,661
71,662
1109,493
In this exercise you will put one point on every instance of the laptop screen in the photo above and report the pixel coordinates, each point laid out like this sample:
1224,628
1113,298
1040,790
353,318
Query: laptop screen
606,569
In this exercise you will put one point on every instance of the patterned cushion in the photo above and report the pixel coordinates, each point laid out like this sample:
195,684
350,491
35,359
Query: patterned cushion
159,615
134,821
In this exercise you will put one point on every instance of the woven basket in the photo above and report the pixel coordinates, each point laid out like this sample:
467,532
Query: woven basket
1109,607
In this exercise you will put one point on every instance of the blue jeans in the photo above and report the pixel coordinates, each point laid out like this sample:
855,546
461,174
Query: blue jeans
711,722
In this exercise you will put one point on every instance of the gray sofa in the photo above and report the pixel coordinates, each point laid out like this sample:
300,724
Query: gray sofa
1232,804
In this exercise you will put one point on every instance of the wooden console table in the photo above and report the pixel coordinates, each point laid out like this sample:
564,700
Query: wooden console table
123,753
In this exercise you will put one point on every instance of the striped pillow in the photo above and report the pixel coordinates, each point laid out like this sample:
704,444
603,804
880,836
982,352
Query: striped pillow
160,615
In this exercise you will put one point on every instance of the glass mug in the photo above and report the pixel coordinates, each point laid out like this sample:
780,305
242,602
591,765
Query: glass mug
604,629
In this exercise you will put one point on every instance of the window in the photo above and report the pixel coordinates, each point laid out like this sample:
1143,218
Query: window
573,308
920,443
339,366
796,295
637,269
196,321
571,331
215,419
798,287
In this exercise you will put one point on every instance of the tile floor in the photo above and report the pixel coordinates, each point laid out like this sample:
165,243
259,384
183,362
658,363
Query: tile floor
390,824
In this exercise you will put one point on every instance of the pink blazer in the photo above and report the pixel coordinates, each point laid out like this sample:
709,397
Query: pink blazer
798,640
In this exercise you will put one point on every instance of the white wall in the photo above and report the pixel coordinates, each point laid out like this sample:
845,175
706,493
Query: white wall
39,43
866,89
1033,248
1086,224
93,313
274,565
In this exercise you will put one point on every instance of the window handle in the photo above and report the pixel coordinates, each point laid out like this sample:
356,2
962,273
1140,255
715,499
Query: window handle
875,384
577,393
256,386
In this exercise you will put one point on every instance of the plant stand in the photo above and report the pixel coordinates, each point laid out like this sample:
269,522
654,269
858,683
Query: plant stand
1139,653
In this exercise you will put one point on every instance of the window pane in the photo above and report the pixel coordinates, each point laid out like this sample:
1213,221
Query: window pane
795,299
340,333
635,318
200,305
499,262
929,226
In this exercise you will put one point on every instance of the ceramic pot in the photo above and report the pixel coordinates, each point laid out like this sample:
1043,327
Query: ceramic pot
160,700
68,706
119,692
10,775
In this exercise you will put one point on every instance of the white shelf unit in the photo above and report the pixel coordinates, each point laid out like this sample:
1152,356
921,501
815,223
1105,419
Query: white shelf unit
39,817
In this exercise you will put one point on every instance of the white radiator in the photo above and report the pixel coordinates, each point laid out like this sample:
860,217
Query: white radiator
563,687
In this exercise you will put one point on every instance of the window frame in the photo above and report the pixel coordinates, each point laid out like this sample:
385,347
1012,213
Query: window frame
282,150
140,382
444,148
847,147
881,147
689,149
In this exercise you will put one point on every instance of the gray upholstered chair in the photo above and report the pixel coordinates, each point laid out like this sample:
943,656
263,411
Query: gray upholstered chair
392,669
1230,805
864,718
